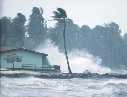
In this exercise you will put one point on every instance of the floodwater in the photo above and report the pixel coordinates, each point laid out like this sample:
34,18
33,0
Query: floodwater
76,87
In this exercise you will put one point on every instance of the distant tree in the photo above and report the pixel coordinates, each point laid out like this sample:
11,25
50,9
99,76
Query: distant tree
18,29
56,35
125,38
35,27
108,44
5,31
85,36
60,15
72,36
125,49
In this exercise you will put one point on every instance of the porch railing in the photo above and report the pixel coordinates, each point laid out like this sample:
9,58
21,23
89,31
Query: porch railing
33,66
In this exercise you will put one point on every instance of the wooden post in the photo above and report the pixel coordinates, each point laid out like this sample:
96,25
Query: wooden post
35,66
42,62
13,64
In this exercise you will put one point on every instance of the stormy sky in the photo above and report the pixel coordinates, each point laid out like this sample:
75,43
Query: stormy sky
82,12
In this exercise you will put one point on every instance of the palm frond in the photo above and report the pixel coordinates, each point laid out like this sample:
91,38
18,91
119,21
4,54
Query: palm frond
62,12
56,14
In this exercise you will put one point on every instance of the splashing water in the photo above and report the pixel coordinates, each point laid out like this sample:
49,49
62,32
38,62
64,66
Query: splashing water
80,61
38,87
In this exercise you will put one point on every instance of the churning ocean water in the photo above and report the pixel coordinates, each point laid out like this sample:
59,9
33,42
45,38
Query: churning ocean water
76,87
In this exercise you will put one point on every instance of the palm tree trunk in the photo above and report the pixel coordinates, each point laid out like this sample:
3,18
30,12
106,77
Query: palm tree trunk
69,69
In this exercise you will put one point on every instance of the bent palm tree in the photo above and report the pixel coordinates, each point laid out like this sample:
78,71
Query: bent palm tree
60,16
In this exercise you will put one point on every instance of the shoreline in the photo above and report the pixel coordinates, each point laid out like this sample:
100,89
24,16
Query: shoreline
21,74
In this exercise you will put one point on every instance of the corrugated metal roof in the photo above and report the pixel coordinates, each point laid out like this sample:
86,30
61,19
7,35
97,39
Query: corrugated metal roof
8,49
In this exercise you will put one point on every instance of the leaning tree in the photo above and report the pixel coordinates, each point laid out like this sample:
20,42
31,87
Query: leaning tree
60,15
18,29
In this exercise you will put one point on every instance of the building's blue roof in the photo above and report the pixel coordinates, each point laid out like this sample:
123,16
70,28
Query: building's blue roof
5,49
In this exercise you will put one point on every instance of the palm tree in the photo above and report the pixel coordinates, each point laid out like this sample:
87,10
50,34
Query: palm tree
60,16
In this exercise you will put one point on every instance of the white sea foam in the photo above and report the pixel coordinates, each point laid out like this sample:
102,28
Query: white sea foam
80,61
31,86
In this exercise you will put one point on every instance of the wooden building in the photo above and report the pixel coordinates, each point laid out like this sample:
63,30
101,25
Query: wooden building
24,59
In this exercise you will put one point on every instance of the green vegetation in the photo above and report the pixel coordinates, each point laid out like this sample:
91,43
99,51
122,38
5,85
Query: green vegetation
35,27
103,41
